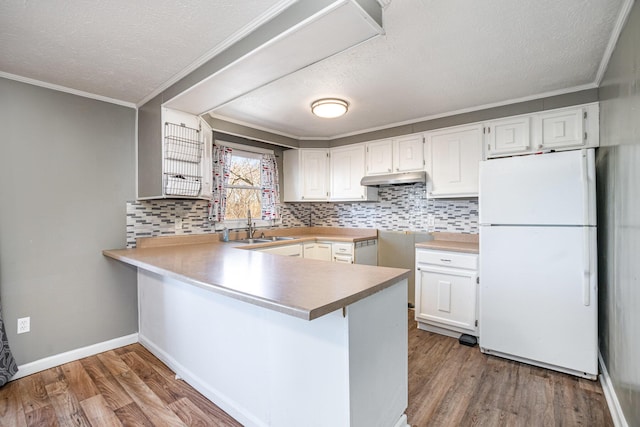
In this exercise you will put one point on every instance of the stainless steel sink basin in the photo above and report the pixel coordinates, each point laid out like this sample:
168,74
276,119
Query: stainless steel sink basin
276,238
252,241
263,239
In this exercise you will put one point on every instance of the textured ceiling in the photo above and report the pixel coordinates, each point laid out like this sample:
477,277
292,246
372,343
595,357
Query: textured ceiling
119,49
436,57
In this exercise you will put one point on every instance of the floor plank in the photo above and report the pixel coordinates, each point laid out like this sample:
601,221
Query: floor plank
449,385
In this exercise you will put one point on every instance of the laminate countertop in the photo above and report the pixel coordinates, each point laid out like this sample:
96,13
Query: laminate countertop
455,242
303,288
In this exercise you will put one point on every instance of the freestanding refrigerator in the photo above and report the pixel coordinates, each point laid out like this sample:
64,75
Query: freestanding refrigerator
538,274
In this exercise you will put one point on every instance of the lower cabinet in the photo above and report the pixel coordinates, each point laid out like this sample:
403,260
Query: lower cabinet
447,292
321,251
286,250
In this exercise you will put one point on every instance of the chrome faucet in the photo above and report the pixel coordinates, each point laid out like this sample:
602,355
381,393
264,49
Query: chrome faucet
251,228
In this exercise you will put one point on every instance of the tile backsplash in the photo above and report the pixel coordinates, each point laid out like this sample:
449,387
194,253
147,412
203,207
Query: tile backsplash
400,208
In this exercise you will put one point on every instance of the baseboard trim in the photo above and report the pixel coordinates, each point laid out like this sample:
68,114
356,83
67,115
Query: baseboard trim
610,395
70,356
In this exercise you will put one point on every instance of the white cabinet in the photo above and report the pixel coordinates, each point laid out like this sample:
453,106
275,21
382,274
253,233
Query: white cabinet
312,174
408,153
342,252
347,167
174,162
321,251
380,157
561,129
395,155
294,250
508,136
453,157
446,292
305,175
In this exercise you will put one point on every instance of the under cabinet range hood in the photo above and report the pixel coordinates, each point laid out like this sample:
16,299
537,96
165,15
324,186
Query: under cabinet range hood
394,179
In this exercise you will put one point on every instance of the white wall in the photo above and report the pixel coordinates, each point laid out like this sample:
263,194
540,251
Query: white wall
66,172
618,180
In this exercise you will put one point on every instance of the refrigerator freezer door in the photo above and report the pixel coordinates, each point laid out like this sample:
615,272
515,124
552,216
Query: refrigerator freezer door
538,298
547,189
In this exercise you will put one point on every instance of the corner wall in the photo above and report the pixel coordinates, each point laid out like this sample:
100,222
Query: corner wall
618,180
67,169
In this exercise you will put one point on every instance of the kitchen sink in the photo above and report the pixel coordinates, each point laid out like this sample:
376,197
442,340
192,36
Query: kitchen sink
264,239
252,241
276,238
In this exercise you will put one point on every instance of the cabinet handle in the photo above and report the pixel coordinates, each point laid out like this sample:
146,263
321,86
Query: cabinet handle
445,260
540,146
388,170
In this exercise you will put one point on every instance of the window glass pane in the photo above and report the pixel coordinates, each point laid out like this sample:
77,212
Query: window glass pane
244,171
239,200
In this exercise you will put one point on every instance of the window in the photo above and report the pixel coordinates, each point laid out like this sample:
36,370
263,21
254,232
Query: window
244,179
244,186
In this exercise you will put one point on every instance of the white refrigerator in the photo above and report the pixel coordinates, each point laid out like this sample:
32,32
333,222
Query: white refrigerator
538,262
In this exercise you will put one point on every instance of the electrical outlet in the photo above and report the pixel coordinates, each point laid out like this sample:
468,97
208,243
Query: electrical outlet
24,325
431,220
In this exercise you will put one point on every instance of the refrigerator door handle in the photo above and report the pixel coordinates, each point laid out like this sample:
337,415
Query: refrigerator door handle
584,171
586,277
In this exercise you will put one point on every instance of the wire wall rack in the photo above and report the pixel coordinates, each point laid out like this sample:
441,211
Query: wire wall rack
182,169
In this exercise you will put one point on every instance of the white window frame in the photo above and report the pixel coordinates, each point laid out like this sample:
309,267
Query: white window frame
235,224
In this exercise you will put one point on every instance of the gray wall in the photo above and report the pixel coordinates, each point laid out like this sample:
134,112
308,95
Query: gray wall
66,172
618,178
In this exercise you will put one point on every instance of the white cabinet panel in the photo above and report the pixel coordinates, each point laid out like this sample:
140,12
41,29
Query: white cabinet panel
409,153
562,129
321,251
314,174
454,158
508,136
347,168
380,157
294,250
446,292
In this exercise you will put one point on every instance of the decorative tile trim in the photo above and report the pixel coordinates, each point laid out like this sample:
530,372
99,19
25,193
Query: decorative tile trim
400,208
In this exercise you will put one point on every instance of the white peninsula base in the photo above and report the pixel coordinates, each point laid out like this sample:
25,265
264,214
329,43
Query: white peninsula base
266,368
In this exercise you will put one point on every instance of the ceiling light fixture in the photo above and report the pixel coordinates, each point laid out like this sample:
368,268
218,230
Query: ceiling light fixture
329,108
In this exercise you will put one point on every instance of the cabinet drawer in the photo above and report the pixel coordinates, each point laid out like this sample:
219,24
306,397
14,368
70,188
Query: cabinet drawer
342,249
447,259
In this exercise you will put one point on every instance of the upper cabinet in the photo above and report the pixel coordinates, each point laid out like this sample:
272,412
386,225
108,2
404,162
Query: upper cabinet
177,164
562,129
305,175
508,136
453,156
347,167
395,155
312,174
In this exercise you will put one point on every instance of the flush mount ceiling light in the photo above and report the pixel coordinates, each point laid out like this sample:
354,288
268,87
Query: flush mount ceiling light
329,108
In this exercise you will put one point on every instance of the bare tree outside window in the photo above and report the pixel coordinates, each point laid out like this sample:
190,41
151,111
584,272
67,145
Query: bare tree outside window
244,187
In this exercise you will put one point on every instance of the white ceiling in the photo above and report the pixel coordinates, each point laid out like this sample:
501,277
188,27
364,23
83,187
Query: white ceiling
437,57
119,49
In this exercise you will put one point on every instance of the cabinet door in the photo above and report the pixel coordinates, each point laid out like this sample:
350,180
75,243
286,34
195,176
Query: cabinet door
380,157
347,168
562,129
509,136
313,167
408,153
455,158
447,297
287,250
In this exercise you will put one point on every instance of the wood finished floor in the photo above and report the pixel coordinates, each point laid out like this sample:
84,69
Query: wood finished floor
449,385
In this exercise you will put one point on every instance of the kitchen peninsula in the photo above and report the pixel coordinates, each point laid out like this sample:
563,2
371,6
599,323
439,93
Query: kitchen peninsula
275,340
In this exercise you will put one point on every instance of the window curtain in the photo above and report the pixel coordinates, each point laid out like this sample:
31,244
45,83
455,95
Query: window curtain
8,365
221,163
270,187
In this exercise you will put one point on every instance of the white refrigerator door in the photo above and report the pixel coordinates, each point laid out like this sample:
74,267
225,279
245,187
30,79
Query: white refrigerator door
538,295
547,189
